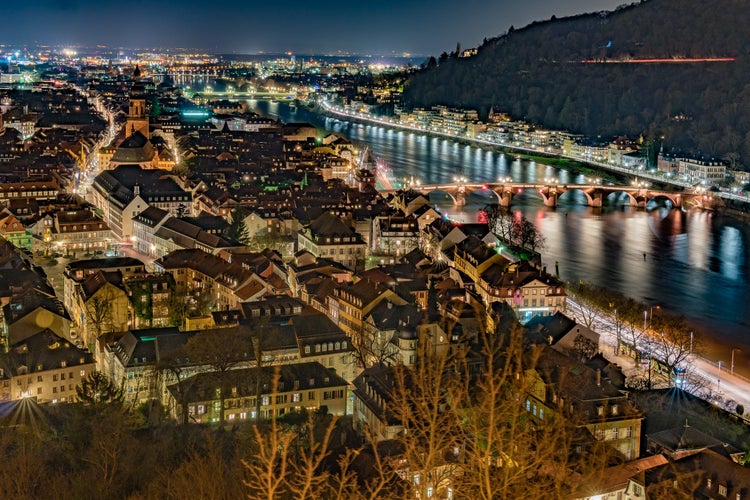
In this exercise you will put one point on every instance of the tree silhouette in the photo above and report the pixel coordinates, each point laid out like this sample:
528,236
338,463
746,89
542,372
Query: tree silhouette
99,314
220,351
97,389
237,230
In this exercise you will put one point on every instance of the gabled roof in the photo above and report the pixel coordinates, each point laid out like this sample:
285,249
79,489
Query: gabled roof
314,325
684,438
573,379
297,376
388,316
95,282
134,149
42,351
375,387
106,263
329,224
231,275
6,224
151,217
365,290
31,300
139,347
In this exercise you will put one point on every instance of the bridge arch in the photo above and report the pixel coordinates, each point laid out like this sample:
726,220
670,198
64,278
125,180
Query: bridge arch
631,199
441,196
517,190
589,198
492,195
674,198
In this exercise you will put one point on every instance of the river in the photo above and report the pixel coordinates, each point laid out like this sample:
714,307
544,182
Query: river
697,263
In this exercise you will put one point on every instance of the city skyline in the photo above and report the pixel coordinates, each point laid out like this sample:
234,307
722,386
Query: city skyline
388,28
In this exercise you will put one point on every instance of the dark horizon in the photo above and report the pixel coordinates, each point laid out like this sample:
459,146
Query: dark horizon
390,28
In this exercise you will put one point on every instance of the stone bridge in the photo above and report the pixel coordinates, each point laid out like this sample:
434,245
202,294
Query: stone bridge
551,192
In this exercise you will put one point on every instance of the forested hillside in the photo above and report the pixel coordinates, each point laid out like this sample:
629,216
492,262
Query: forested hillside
580,74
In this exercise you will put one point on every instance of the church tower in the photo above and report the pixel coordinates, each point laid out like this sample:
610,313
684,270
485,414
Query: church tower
137,118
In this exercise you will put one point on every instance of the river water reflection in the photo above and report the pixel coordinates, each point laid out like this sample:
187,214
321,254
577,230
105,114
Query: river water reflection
696,262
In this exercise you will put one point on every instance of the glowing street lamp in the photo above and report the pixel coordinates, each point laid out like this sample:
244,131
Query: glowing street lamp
732,366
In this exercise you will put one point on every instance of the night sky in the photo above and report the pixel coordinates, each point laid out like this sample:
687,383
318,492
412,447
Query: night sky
248,26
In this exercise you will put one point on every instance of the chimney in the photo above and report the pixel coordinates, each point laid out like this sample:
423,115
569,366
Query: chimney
598,377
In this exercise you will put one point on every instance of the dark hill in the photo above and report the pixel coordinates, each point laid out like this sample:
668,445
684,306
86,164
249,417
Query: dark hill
537,73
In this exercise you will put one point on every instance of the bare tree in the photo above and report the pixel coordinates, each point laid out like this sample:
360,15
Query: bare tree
585,347
203,474
179,306
510,451
372,347
422,401
500,220
619,325
268,470
586,311
524,232
174,365
673,343
308,478
635,337
220,351
99,315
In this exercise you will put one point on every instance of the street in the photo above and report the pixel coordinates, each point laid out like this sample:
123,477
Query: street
709,381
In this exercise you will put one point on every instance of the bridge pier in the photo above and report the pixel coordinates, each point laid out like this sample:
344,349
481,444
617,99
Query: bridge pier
596,199
551,199
460,198
505,198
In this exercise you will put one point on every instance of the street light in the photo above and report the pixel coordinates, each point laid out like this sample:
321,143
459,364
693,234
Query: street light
651,314
731,370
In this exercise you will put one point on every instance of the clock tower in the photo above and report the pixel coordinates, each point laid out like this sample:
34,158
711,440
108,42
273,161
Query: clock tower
137,118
